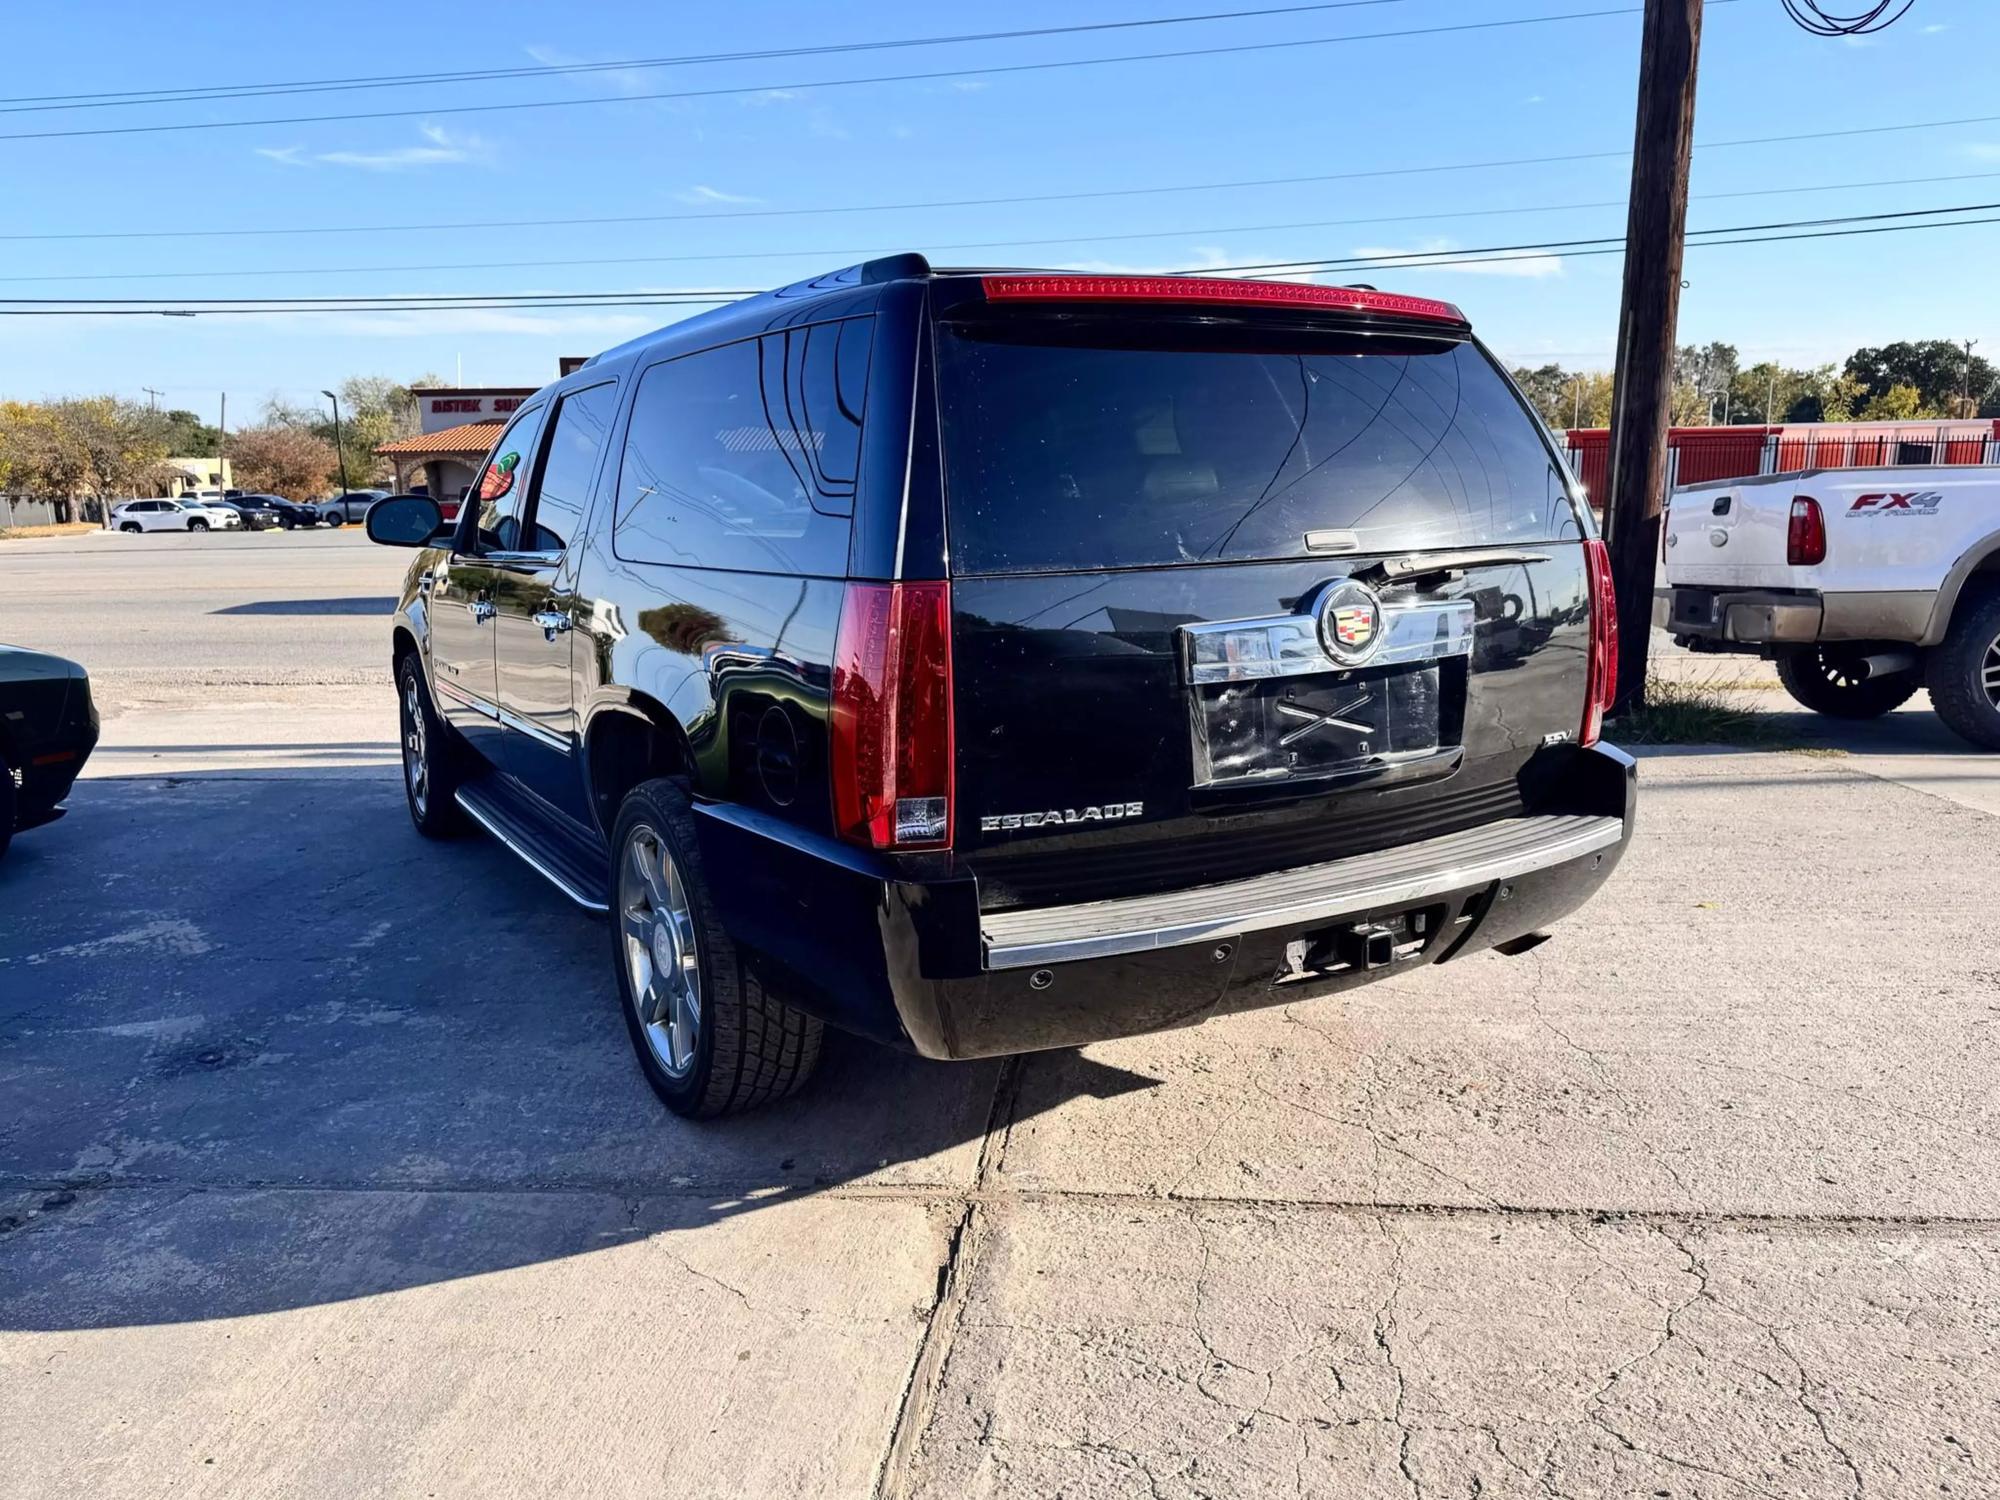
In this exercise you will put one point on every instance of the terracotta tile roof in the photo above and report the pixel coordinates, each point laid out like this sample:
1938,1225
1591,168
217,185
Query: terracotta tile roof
468,440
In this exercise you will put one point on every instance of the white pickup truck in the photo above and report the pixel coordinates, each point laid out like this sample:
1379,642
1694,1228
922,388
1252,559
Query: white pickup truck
1863,585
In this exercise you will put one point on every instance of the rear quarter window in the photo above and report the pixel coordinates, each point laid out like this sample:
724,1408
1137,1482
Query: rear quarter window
1087,447
745,456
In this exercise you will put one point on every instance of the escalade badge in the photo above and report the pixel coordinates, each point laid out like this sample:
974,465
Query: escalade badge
1111,812
1350,622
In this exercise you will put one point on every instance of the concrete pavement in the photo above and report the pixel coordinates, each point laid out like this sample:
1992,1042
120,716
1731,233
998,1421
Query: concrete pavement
327,1172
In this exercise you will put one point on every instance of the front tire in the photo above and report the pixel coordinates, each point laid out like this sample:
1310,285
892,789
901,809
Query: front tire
1964,672
197,525
430,768
332,518
1827,680
710,1038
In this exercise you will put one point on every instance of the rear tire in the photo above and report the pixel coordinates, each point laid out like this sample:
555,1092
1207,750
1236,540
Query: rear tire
1823,679
431,762
710,1038
1963,672
131,528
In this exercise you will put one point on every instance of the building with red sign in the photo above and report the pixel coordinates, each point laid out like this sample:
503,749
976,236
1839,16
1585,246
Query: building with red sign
456,427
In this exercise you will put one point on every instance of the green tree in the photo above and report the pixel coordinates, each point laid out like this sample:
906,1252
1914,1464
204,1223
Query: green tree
1900,403
190,437
1942,373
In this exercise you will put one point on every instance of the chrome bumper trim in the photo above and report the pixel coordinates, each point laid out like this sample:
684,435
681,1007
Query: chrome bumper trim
1286,898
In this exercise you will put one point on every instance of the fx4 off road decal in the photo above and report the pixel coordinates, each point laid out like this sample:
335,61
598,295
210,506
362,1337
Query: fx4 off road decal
1910,503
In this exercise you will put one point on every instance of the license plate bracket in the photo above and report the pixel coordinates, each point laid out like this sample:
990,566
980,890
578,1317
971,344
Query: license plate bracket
1333,723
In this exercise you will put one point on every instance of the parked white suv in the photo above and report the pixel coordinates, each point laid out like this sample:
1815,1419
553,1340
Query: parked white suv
173,515
1863,585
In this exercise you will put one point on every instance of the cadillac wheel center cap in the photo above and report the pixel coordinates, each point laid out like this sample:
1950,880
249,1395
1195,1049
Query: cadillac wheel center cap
1350,622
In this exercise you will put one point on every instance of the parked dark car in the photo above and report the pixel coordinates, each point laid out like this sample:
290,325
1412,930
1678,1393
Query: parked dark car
279,511
256,514
982,663
350,505
48,727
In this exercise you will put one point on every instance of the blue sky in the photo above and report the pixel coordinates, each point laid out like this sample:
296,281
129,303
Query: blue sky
745,159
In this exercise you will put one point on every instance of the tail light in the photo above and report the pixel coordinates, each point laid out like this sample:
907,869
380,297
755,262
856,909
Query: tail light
1603,641
891,730
1805,536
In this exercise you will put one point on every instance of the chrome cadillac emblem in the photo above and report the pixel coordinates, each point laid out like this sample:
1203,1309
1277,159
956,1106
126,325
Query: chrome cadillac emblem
1350,622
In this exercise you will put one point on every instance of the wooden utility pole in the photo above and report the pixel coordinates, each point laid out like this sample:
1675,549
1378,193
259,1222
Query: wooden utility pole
1642,405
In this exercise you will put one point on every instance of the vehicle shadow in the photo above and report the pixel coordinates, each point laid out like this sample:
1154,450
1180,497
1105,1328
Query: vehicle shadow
264,1048
368,604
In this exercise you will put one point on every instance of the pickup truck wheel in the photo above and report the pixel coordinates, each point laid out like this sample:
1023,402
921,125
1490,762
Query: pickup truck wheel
430,765
1964,672
710,1038
1827,680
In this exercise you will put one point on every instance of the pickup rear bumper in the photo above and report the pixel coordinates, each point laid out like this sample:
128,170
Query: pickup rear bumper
1753,619
915,963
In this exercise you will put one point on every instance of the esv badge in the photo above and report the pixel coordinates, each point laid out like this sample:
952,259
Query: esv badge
1350,622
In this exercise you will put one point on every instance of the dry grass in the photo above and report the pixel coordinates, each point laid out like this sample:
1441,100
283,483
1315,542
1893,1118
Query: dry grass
25,533
1699,711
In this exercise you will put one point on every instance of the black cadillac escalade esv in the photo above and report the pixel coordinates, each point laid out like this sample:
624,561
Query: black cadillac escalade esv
982,662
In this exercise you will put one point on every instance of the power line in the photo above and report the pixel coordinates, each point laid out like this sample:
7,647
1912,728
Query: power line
865,251
830,83
500,302
1356,175
35,103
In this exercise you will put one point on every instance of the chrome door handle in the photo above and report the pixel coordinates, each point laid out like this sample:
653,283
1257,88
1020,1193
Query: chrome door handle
553,622
482,610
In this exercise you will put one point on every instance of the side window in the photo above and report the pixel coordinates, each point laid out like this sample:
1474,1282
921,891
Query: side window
502,488
745,457
563,492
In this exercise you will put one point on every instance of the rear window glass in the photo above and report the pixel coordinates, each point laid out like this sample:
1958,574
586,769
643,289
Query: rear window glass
745,456
1073,446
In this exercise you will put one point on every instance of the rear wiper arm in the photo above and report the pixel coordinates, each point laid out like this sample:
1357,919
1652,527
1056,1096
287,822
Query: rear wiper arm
1433,564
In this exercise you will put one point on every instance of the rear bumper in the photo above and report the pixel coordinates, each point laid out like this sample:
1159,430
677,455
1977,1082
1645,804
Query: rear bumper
1756,618
1746,617
915,963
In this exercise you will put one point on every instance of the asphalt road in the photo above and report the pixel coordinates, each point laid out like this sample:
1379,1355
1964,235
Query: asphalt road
325,1170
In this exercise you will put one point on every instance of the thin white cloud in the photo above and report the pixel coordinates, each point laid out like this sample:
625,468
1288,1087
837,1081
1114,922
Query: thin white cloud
769,96
1934,28
624,80
1982,150
970,85
1427,256
702,193
441,147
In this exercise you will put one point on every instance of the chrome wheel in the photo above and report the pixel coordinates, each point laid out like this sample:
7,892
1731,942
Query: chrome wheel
416,746
1989,672
662,964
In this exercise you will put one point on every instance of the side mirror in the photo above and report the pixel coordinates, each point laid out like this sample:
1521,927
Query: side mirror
403,521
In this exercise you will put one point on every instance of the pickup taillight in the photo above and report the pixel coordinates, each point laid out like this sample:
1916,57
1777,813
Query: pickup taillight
891,751
1805,533
1603,671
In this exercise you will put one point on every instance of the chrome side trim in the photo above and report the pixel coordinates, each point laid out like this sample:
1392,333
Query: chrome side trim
1289,645
532,730
479,816
1367,882
471,700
